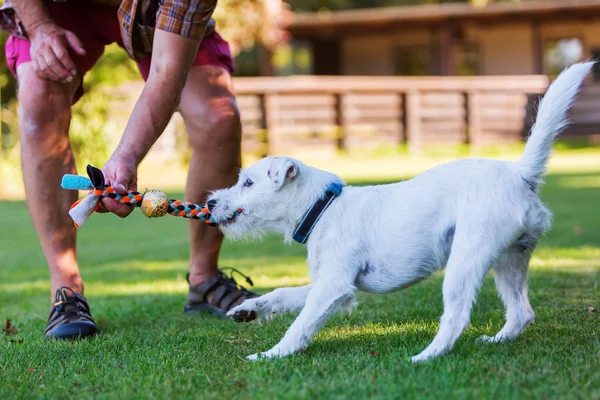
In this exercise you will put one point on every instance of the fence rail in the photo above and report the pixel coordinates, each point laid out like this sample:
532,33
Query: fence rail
313,113
280,113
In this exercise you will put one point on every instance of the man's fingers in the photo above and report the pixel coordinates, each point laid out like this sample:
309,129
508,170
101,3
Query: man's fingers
55,70
64,58
117,208
75,43
120,188
44,70
101,208
57,58
121,177
117,184
125,179
36,68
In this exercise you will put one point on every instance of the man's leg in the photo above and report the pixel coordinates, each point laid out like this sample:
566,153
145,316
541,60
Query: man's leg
213,124
45,115
212,120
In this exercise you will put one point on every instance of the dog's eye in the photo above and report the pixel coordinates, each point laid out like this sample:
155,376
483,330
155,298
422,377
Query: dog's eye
248,183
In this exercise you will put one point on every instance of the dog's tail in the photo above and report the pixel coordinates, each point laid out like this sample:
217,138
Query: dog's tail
551,120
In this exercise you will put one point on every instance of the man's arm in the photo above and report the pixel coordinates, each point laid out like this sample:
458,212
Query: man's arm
49,42
180,26
32,13
171,63
160,96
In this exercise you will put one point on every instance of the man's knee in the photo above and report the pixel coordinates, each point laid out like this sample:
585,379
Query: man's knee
43,121
218,124
45,108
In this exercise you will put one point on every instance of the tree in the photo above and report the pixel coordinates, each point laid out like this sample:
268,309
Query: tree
246,23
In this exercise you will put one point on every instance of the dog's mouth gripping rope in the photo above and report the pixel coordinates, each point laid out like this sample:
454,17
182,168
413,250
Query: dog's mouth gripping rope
153,203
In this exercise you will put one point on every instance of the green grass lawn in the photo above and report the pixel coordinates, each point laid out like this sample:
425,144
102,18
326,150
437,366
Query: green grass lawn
134,271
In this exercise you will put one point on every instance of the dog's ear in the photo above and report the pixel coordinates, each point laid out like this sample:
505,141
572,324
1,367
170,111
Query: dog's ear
282,170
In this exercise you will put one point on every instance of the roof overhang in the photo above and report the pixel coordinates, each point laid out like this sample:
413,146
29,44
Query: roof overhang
377,19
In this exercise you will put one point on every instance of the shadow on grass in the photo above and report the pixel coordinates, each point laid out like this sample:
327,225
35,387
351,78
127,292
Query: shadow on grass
406,319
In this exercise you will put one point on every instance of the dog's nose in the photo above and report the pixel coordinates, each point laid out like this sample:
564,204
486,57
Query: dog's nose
211,204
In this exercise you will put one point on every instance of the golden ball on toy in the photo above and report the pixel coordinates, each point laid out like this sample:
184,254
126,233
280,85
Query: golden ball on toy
155,204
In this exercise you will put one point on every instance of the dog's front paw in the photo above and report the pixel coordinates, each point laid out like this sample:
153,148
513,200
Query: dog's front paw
419,358
243,315
276,352
265,355
427,355
491,339
245,312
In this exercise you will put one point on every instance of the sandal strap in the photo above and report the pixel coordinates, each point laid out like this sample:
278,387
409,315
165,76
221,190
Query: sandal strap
223,292
229,300
206,287
220,292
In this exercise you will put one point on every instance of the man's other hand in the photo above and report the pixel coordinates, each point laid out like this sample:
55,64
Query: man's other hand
50,45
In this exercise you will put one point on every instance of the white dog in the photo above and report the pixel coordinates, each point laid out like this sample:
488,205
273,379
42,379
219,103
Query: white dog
467,216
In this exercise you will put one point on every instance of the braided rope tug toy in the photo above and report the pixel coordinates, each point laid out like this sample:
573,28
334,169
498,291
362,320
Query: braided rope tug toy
153,203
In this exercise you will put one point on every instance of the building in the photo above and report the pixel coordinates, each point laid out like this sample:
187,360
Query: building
530,37
419,75
429,74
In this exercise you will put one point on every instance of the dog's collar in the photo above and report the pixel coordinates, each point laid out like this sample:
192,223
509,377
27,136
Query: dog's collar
314,213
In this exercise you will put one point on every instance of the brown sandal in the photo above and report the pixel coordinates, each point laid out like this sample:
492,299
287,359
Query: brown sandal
218,294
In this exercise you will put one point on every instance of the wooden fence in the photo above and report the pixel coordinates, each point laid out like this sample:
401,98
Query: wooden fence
310,113
284,113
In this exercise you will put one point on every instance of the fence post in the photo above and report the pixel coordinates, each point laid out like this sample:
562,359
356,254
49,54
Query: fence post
414,130
272,122
402,130
264,128
472,105
340,122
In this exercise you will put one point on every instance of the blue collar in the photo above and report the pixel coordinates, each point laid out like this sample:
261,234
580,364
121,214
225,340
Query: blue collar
313,215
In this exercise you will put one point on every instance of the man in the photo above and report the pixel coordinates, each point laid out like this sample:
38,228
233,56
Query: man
187,67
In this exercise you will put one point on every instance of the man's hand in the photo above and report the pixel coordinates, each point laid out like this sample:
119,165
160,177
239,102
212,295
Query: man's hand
120,173
50,43
50,56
